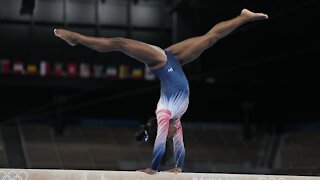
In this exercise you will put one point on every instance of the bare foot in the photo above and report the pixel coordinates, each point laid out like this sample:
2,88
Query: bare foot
251,16
174,170
148,171
67,36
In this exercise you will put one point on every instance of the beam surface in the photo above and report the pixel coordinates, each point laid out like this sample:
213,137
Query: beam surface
44,174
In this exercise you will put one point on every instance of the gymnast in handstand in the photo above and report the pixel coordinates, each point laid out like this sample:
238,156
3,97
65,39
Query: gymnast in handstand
166,64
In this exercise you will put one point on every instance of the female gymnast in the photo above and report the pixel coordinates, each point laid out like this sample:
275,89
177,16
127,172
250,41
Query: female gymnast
166,64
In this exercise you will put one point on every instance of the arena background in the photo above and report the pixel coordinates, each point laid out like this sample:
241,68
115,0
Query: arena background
254,105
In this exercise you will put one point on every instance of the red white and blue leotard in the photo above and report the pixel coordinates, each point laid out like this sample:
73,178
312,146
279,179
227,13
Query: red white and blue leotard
172,105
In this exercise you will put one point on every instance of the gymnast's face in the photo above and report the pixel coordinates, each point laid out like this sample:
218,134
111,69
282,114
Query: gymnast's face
172,131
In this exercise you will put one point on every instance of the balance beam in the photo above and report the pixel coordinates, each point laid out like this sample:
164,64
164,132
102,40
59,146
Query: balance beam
39,174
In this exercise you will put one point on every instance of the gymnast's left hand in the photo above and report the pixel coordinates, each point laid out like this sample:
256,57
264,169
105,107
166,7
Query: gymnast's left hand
148,171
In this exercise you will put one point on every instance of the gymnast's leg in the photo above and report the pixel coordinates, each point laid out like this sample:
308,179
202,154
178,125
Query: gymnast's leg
150,55
188,50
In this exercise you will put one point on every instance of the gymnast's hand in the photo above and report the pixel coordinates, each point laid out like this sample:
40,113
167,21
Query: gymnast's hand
148,171
174,170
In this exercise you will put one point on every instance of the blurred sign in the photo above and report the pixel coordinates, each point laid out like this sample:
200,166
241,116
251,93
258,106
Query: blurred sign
148,75
72,70
83,70
58,69
111,72
32,69
4,66
44,68
18,67
124,72
137,73
98,71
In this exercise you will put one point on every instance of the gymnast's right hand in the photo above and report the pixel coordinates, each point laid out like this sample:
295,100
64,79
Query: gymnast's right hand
148,171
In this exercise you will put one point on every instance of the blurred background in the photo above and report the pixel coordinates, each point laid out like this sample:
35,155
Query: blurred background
254,104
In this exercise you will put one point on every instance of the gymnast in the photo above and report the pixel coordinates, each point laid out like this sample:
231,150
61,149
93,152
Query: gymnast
166,64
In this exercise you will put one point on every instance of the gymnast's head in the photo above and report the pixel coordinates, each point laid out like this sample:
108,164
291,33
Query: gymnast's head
172,130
